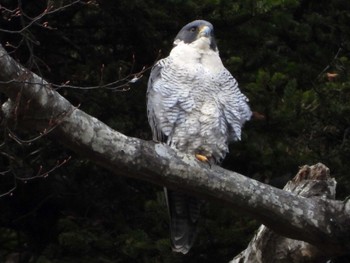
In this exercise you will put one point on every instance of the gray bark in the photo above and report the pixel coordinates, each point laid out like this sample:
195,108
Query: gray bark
33,104
268,247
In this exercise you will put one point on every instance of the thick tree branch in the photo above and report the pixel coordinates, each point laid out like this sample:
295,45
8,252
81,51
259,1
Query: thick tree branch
34,104
311,181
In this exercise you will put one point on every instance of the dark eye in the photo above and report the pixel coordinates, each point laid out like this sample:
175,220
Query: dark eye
193,29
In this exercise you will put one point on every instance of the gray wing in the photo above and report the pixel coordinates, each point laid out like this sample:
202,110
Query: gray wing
153,101
235,110
167,104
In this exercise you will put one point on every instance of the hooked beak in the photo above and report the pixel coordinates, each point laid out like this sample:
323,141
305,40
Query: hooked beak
204,31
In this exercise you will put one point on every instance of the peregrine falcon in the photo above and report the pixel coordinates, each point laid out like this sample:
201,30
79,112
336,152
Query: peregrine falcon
194,105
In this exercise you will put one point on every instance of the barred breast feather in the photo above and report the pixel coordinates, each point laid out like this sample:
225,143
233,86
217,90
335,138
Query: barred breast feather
194,109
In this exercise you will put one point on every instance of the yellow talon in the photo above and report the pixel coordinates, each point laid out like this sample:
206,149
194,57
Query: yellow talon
202,158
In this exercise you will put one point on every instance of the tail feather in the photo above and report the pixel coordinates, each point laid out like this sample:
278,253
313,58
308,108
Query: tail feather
184,216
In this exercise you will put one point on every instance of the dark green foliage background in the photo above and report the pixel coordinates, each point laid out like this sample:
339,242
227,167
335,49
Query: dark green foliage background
279,51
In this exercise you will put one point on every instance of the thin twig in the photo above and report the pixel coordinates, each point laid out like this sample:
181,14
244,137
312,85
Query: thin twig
329,65
53,125
41,174
35,19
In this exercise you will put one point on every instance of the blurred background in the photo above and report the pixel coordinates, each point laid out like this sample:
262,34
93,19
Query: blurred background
290,57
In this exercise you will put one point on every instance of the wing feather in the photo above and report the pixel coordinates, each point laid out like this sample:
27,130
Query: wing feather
168,99
234,105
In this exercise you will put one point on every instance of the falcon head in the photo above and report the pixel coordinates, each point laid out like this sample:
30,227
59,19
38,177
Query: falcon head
196,31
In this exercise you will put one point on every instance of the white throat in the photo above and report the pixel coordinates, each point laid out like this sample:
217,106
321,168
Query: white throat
197,52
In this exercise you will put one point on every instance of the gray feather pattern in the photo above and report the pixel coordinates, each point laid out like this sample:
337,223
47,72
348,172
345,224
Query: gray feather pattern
196,110
202,106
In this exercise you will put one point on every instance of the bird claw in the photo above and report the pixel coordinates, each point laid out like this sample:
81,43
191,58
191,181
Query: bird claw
202,158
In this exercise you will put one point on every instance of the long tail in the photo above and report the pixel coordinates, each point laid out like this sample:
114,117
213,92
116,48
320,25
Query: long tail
184,216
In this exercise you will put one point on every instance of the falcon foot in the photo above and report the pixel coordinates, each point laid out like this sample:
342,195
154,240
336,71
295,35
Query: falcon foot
203,158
